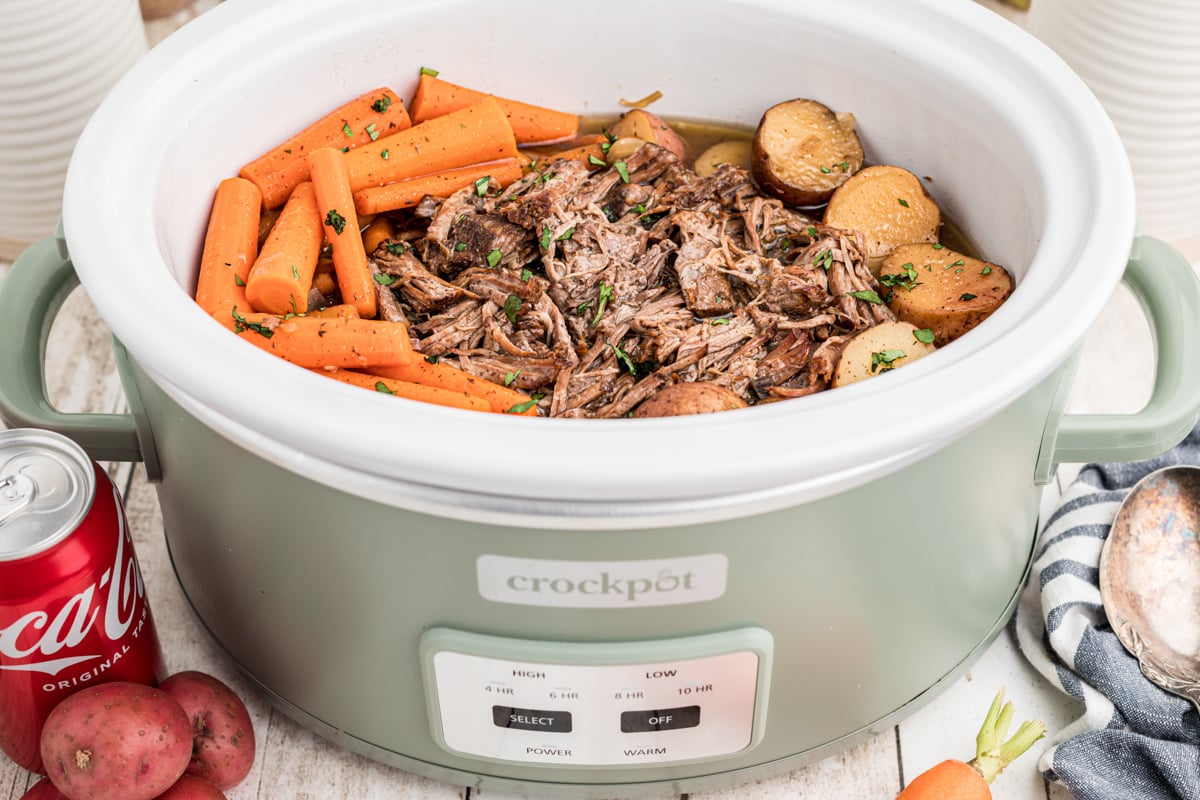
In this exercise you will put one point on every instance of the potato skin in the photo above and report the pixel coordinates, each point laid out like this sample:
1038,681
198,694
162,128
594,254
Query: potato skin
116,741
941,289
189,787
803,151
223,746
691,397
641,124
859,358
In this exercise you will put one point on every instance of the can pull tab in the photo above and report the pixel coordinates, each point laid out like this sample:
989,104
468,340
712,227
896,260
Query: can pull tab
16,495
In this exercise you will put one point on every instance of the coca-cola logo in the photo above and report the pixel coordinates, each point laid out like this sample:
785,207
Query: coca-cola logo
113,602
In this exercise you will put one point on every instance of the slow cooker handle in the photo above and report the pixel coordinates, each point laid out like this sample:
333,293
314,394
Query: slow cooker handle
1167,287
36,286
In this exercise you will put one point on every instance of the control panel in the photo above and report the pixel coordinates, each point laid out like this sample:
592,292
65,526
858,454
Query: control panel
597,704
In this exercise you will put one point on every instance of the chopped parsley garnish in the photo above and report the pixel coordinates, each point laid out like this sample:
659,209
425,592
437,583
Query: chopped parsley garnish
824,259
547,235
237,279
567,234
432,359
582,308
382,388
295,272
622,169
511,377
512,304
521,408
966,296
458,248
336,221
384,154
812,231
240,324
902,201
481,185
868,295
382,104
347,130
526,274
939,246
987,270
624,358
433,73
384,279
598,162
606,294
884,360
721,321
395,248
905,280
923,335
493,257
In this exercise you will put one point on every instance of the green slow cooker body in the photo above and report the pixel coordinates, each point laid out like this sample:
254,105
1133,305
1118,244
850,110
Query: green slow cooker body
873,596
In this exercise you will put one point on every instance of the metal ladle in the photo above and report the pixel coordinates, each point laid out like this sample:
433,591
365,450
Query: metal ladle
1150,578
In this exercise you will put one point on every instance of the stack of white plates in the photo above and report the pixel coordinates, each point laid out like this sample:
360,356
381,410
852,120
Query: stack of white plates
1141,58
58,59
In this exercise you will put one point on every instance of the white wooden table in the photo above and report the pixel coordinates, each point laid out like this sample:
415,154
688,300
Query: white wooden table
1115,375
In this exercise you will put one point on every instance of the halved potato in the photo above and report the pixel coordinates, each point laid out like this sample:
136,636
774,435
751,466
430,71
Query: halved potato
889,206
641,124
879,349
691,397
803,151
733,152
935,287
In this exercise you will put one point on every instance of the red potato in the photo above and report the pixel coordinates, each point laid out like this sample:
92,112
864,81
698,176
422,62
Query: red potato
116,741
189,787
43,790
641,124
223,736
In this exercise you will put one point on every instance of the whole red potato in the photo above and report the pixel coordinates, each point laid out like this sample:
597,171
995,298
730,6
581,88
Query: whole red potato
116,741
189,787
43,790
223,736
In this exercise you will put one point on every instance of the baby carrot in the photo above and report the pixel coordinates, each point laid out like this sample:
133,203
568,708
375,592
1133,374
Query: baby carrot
282,274
410,391
230,247
501,399
364,119
408,192
531,124
969,780
375,234
319,342
473,135
335,206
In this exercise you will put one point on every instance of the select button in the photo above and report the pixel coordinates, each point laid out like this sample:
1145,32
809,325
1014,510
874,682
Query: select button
530,719
664,720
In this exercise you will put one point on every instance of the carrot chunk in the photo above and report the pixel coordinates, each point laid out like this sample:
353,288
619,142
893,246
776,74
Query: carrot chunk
473,135
501,399
335,205
364,119
282,274
230,247
410,391
408,192
320,342
531,124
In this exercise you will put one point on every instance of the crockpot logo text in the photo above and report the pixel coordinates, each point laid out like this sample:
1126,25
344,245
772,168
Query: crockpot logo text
602,584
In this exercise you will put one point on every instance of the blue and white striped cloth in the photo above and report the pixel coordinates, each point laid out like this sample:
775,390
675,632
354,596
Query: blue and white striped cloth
1134,741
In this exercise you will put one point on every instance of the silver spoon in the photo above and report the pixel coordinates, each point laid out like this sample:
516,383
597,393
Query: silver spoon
1150,578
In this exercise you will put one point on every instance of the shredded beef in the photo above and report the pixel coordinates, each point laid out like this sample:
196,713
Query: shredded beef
596,288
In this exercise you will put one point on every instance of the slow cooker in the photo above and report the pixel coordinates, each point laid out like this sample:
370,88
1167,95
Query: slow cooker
596,608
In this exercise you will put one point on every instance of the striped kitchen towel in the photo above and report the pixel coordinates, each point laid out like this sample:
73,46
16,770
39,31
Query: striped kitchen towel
1133,741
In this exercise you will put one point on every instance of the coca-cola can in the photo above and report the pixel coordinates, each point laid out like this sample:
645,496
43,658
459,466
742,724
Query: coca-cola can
73,609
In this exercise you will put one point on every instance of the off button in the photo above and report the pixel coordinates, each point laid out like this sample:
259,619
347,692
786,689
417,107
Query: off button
531,719
668,719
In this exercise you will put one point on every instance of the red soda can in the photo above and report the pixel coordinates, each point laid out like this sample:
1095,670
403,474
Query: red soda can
73,609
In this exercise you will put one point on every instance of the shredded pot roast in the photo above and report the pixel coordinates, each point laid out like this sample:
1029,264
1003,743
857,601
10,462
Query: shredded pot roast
592,291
